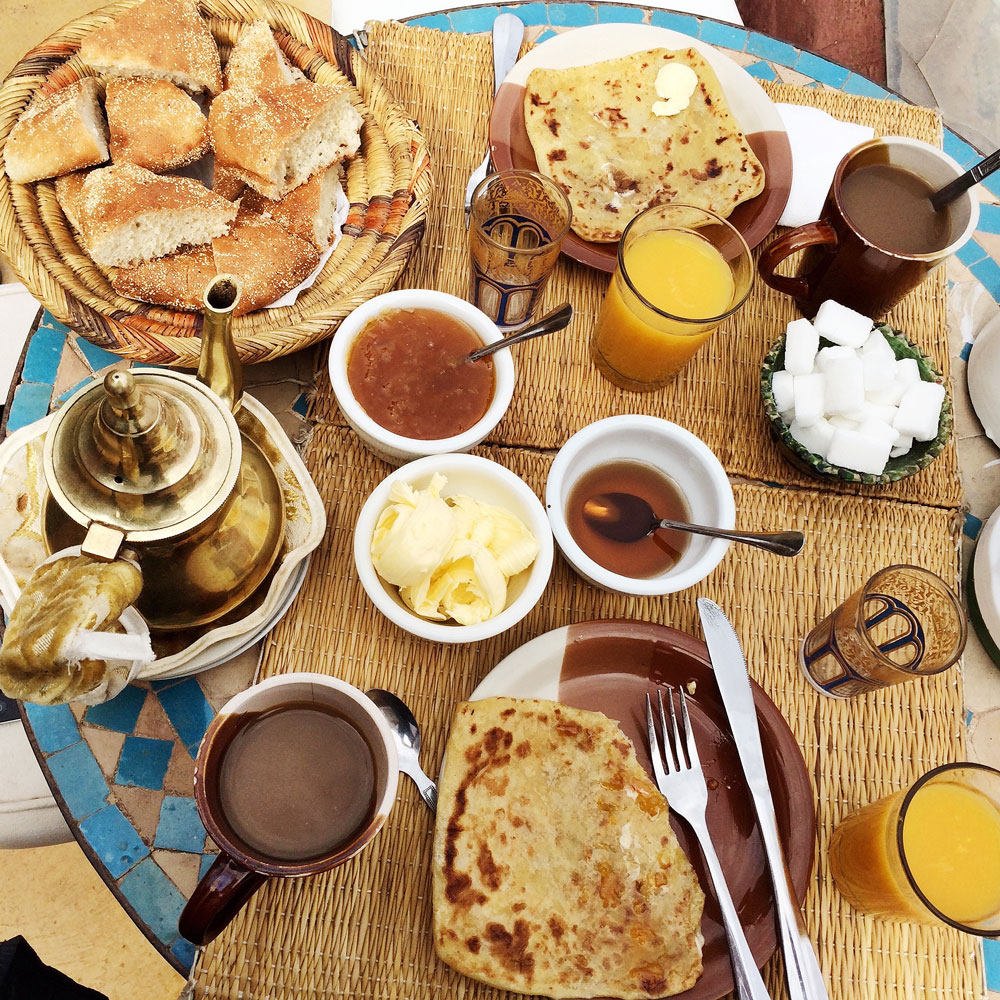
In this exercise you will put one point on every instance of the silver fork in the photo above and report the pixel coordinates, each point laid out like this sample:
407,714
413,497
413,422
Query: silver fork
508,31
682,782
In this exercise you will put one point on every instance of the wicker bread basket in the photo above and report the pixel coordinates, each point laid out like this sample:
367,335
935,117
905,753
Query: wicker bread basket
388,186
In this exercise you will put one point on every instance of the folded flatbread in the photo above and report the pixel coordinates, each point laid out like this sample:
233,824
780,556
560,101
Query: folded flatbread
595,133
556,870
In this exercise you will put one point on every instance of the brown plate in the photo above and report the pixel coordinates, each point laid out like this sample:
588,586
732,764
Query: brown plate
572,665
751,107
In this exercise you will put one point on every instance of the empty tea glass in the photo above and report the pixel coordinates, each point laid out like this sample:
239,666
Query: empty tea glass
904,622
517,222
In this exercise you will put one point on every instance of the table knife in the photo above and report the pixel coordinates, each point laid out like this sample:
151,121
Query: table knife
805,981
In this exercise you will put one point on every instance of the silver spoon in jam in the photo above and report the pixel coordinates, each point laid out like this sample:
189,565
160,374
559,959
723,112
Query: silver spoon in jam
624,517
549,323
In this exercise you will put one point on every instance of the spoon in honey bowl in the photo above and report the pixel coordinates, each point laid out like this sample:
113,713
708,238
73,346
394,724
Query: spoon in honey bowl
406,734
549,323
624,517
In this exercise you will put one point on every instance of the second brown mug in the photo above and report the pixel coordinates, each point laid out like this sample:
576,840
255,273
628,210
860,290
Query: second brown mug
877,237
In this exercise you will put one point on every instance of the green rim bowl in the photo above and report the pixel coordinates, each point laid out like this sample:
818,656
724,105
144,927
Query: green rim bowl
918,457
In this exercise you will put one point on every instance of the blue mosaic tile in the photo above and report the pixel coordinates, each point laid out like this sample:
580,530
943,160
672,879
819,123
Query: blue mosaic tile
530,13
54,726
188,710
546,34
993,183
571,14
965,352
439,21
771,49
608,12
991,952
62,397
184,952
301,405
206,863
683,23
51,323
970,253
154,897
968,716
179,827
42,358
822,70
862,87
989,218
988,273
474,19
120,713
727,36
959,150
79,779
30,403
144,762
973,525
114,840
762,71
96,357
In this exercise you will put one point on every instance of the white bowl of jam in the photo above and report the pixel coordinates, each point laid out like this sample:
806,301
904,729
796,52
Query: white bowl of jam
398,372
667,466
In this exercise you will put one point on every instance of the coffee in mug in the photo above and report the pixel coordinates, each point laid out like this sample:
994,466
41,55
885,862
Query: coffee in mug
878,235
294,776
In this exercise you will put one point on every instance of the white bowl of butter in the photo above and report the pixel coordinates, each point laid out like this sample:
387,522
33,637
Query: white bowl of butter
464,542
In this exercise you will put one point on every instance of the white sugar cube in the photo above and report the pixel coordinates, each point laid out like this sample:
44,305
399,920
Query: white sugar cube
858,451
841,325
879,371
801,344
888,396
827,354
877,344
781,387
879,428
845,385
901,447
839,420
809,391
907,371
879,411
815,438
920,411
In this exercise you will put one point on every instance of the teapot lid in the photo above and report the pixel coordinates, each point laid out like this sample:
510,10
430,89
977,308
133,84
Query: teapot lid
153,453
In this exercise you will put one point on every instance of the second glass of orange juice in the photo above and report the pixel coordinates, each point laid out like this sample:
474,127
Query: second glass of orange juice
681,272
929,854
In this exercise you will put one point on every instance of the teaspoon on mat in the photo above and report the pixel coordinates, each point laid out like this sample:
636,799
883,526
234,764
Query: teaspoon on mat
406,733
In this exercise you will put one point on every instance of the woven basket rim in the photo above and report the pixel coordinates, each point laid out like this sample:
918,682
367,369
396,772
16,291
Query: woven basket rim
389,186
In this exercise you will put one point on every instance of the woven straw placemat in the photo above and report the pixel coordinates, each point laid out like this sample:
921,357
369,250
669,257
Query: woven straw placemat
717,395
364,930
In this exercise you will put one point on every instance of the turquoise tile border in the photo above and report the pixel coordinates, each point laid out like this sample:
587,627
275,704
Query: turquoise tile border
991,950
726,36
30,403
571,14
861,86
620,14
987,272
115,840
474,19
822,70
683,23
56,727
771,49
989,218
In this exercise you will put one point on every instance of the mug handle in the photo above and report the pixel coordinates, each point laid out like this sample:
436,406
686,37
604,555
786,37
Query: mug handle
811,234
218,897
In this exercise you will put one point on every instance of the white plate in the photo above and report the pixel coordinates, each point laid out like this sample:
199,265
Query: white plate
983,374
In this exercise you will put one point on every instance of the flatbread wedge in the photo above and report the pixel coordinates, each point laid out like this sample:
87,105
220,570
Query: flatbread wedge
556,871
595,133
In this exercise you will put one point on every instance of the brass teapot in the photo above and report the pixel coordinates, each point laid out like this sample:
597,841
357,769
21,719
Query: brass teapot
151,463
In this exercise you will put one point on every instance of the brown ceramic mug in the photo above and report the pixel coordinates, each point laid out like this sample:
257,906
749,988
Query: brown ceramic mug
851,259
294,776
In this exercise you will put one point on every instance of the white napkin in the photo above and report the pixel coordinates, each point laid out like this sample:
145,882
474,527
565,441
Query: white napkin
819,142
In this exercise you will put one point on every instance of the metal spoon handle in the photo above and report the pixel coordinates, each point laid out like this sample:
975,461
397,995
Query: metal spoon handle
782,543
974,175
549,323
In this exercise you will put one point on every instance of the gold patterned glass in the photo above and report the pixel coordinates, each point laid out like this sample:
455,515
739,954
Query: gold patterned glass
517,223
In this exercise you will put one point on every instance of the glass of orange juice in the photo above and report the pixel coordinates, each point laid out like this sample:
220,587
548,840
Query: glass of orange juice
681,272
929,854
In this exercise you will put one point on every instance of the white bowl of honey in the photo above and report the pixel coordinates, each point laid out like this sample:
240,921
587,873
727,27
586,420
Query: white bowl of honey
399,374
675,472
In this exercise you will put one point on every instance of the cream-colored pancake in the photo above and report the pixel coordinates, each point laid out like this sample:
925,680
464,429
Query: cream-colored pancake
595,132
556,871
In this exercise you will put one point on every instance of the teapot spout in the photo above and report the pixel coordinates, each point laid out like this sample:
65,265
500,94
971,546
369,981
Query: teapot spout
219,366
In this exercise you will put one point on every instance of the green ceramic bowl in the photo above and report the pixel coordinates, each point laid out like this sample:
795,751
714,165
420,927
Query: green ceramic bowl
918,457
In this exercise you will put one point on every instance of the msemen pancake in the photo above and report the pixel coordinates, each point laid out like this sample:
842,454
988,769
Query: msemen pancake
556,870
595,131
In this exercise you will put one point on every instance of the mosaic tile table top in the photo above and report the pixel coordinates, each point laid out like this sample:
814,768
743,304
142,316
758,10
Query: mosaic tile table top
123,770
